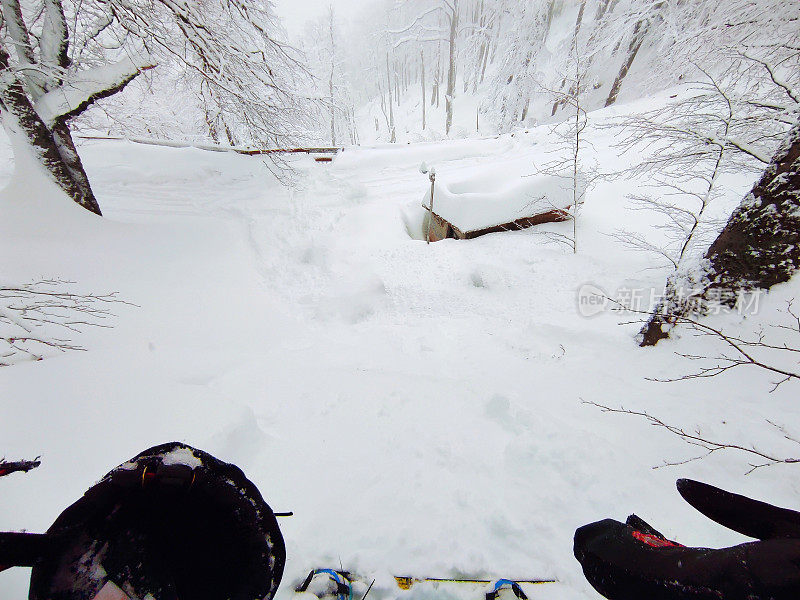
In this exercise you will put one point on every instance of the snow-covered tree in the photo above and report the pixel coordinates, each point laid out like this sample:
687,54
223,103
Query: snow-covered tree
327,55
509,54
426,21
517,78
59,57
748,104
758,248
646,19
534,51
569,134
691,143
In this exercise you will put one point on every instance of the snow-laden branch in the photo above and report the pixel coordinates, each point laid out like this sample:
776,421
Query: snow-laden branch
54,39
406,40
778,81
19,38
419,18
81,89
748,149
17,31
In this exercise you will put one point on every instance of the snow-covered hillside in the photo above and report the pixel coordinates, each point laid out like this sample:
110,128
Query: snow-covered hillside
421,408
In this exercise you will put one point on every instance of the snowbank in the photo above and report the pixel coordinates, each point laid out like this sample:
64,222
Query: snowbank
491,199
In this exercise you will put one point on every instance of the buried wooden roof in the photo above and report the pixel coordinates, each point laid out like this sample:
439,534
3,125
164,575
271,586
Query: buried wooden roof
477,206
442,229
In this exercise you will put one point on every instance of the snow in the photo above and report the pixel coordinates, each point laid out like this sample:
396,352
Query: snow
83,87
181,456
419,407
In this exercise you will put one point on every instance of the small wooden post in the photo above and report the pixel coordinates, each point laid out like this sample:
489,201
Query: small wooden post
432,176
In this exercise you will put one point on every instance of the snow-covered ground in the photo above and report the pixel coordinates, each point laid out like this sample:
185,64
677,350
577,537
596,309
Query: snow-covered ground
419,407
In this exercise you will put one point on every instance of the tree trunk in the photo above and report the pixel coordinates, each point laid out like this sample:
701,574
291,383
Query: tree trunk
55,149
353,129
480,68
639,31
392,133
481,20
451,71
422,76
331,22
602,7
437,78
485,62
228,133
72,160
333,113
760,245
435,87
758,248
578,22
527,101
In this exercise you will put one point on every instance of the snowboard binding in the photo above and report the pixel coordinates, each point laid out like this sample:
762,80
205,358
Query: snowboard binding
328,584
505,589
172,523
632,560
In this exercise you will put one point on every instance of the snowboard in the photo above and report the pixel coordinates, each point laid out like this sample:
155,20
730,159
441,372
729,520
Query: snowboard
332,584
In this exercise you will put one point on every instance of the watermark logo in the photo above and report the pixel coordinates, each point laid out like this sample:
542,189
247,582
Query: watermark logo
593,300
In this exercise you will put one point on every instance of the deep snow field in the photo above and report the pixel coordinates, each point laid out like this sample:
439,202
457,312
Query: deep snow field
419,407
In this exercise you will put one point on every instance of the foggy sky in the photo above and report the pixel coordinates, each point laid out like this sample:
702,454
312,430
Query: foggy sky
295,13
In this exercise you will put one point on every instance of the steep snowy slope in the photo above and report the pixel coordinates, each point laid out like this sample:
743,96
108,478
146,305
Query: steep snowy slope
419,407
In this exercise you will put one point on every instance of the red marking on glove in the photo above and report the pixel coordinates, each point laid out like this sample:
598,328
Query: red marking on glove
654,541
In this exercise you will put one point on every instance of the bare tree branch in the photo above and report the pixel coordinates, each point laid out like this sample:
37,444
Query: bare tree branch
697,439
743,348
31,314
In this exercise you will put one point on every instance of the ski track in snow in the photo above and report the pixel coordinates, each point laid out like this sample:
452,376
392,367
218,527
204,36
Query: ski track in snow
417,406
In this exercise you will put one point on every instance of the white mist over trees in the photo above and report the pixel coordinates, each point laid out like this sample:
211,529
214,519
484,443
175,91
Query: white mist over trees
328,52
490,66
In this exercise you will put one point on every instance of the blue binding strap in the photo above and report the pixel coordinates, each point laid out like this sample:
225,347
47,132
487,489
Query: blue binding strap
340,581
501,582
